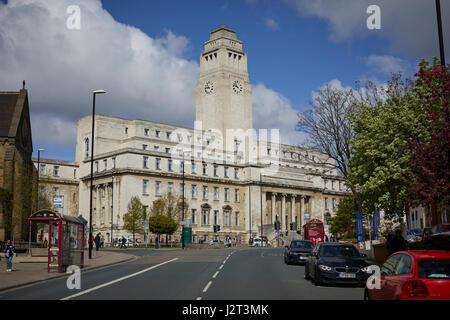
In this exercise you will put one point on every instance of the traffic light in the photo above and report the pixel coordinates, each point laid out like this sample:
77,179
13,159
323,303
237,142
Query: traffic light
276,225
218,228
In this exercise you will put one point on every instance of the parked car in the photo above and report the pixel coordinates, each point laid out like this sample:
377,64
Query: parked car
438,241
298,251
414,275
411,236
336,262
426,233
439,228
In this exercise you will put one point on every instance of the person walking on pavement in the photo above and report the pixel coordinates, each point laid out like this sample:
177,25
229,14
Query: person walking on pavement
9,253
398,243
97,242
124,241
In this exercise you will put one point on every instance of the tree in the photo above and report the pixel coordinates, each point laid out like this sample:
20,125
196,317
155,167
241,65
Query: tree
171,206
428,179
379,160
159,224
134,219
343,223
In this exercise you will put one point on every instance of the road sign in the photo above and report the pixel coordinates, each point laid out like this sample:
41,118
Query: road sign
58,201
186,223
306,216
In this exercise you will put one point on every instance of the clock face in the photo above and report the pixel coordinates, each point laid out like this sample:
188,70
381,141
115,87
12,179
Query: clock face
237,87
209,87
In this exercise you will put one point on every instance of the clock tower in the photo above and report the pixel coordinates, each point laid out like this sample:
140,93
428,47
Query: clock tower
224,92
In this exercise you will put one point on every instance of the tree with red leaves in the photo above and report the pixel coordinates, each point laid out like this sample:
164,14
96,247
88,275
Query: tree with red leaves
428,177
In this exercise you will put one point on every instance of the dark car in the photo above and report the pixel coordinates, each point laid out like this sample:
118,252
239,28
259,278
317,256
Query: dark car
332,262
298,251
426,233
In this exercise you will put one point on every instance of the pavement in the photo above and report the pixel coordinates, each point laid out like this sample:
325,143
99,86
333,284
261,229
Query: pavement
29,270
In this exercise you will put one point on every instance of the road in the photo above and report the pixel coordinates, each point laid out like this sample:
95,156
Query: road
207,274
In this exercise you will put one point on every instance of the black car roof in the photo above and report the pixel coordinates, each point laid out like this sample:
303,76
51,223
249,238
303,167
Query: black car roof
335,244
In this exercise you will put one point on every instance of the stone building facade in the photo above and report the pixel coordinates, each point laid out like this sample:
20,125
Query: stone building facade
17,174
235,176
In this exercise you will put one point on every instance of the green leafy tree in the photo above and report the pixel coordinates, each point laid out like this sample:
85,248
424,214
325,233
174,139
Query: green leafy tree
134,219
379,160
162,225
343,223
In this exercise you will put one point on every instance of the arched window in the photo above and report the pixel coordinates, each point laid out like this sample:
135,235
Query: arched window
86,147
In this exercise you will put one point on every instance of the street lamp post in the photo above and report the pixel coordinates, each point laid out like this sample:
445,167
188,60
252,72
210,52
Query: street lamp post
182,210
260,193
112,211
37,198
441,40
92,170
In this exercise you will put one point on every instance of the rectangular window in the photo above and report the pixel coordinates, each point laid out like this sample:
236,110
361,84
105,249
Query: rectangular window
204,168
56,171
216,216
324,184
55,191
146,132
226,221
194,213
158,163
145,162
205,217
156,148
181,166
236,218
42,171
227,194
205,192
192,167
168,135
236,195
96,166
114,162
169,165
225,172
144,147
236,171
158,133
170,187
194,191
144,186
105,164
216,193
167,150
332,184
158,188
215,171
333,203
126,130
326,203
103,216
104,192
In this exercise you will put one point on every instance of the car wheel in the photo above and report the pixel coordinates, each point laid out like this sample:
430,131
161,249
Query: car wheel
317,279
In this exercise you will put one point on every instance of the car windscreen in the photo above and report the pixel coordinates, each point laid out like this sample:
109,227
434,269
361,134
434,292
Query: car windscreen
436,269
339,251
302,245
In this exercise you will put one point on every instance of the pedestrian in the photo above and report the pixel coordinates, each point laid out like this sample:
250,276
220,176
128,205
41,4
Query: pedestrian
124,242
97,241
9,253
398,243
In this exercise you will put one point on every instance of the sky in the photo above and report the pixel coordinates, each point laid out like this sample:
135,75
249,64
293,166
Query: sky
145,55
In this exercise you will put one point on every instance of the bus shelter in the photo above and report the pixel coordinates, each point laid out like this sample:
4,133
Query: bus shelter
66,239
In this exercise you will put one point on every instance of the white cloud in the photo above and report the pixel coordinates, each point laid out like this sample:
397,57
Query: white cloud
271,24
387,64
271,110
410,26
144,77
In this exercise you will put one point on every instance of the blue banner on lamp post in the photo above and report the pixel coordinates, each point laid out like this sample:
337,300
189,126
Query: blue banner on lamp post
376,224
359,228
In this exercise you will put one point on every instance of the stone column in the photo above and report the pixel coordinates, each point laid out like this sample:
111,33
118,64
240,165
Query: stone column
273,207
283,211
293,207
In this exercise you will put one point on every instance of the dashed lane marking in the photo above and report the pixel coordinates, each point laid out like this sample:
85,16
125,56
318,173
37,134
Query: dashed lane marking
207,286
215,274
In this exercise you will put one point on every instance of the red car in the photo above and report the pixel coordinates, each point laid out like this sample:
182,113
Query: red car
414,275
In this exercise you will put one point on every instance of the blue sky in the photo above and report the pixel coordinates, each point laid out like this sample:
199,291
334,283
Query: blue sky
138,51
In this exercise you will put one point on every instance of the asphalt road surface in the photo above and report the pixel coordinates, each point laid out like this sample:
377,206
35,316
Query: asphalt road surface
194,274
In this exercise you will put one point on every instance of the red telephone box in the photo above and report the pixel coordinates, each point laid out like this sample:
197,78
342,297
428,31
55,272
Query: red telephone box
314,231
66,239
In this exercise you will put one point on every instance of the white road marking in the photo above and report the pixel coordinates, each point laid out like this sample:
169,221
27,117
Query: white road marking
207,286
220,268
225,261
199,298
215,274
115,281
